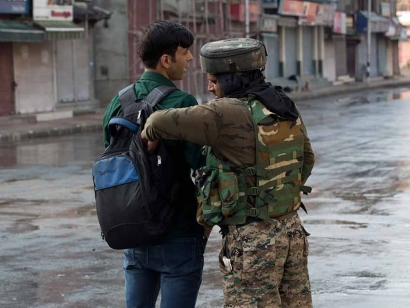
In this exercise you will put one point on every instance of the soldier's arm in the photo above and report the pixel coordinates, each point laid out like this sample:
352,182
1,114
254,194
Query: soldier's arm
195,124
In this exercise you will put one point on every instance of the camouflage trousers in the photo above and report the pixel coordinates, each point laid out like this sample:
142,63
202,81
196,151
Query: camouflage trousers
265,265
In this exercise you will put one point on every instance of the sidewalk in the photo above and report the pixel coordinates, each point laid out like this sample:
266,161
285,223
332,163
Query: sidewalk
16,128
350,88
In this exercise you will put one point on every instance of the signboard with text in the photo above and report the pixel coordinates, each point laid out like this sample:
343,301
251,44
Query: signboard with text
339,25
294,8
53,10
14,6
237,11
318,14
269,23
385,9
326,14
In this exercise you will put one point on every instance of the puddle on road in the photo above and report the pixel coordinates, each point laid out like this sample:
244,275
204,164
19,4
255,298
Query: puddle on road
22,226
371,97
16,180
83,211
350,224
352,101
26,215
52,151
401,95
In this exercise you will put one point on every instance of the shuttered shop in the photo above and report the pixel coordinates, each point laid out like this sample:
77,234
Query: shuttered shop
72,71
272,47
308,45
6,78
340,48
290,51
382,54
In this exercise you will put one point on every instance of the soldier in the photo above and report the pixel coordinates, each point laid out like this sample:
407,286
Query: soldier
259,157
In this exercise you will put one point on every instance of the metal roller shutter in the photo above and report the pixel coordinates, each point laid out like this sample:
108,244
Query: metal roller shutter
308,45
290,52
340,48
272,47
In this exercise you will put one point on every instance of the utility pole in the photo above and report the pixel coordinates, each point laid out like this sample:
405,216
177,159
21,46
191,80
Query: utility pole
247,31
369,36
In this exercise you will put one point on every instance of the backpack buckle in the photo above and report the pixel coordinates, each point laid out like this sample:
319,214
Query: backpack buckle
253,191
254,212
250,171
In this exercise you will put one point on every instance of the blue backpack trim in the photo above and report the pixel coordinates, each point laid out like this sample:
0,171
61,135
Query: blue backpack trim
124,122
113,171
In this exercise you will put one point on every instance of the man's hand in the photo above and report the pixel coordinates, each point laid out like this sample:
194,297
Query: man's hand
150,145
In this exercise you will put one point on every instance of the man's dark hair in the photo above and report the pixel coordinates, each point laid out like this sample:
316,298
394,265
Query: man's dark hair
162,37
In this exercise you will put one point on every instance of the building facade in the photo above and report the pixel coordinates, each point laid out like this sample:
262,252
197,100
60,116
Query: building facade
45,56
57,57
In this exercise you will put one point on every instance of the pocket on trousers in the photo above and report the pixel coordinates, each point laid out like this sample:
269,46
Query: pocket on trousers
222,254
134,257
259,253
306,246
181,256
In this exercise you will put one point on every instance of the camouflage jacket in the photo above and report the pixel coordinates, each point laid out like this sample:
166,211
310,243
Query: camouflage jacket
225,124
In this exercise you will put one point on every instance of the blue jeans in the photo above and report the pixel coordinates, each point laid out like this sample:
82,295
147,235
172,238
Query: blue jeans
176,266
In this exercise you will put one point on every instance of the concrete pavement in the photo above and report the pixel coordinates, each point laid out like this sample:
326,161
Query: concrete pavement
21,127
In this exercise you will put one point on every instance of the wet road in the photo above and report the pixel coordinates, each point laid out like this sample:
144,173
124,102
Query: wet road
51,254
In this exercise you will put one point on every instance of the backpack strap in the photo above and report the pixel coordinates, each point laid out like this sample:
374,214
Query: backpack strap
158,94
127,96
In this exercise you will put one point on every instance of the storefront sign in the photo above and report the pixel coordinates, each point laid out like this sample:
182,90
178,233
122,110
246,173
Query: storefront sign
53,10
339,24
311,14
385,9
14,6
294,8
269,23
318,14
238,12
326,14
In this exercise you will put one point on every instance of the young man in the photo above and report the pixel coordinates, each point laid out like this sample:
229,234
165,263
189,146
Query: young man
176,264
259,157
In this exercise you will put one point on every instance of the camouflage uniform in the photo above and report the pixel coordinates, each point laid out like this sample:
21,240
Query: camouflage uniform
268,265
226,124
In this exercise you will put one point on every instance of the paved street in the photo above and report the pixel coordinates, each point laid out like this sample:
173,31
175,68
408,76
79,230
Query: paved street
51,253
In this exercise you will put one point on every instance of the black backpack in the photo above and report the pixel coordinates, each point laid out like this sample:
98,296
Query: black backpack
134,190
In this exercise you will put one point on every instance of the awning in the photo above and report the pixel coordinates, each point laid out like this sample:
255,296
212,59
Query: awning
90,13
379,24
61,30
13,31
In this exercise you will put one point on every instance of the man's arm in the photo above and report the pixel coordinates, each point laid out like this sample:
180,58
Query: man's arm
195,124
113,109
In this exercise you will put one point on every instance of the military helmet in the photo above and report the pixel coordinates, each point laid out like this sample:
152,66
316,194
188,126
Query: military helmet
233,55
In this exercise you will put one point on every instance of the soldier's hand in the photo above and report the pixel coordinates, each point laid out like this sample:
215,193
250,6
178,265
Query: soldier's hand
150,145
